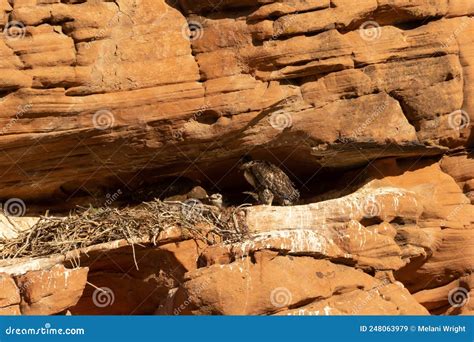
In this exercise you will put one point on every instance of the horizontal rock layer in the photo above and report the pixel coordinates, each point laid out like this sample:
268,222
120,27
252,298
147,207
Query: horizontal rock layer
97,95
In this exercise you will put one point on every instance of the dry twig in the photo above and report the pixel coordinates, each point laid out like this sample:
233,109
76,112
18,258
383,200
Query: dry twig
91,226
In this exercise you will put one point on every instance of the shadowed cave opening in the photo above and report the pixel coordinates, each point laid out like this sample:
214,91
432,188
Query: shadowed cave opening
314,181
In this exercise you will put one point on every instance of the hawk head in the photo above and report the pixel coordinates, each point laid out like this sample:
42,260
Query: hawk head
245,162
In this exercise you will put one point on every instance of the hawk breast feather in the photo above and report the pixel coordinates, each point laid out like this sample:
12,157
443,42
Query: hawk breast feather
271,177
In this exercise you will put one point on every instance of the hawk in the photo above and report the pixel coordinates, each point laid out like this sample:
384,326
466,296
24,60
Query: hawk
269,181
215,200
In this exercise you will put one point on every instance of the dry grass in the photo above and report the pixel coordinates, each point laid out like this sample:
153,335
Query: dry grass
90,226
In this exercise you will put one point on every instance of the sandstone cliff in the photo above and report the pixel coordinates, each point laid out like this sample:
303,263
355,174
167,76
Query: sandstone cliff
368,108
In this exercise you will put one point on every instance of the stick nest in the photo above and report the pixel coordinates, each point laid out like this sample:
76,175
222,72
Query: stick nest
91,226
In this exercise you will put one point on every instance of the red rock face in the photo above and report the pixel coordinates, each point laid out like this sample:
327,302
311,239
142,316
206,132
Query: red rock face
88,103
368,108
10,298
